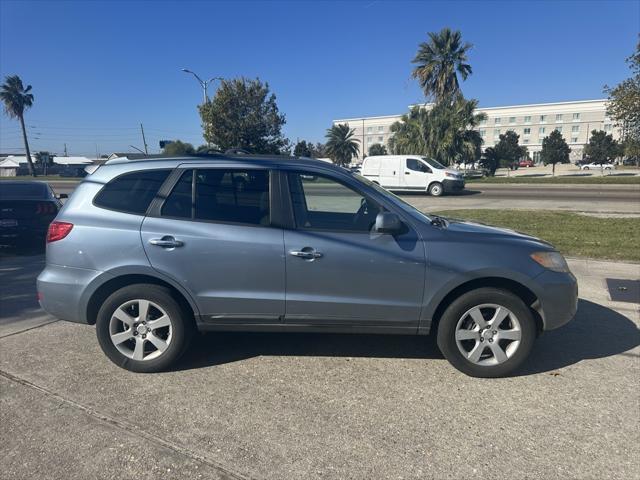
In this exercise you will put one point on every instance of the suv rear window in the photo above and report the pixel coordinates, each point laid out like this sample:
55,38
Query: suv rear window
131,192
221,195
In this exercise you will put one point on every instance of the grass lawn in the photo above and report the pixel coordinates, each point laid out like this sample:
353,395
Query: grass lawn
572,234
565,179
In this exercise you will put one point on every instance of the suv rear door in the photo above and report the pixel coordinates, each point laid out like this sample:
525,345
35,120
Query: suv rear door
338,271
213,234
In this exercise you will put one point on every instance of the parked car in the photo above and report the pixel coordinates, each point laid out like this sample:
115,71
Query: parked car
412,173
151,251
526,163
74,172
26,210
597,166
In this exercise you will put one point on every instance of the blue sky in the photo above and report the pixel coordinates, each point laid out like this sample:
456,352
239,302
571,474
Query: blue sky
99,69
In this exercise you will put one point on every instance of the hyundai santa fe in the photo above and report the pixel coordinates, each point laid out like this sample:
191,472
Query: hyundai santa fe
152,251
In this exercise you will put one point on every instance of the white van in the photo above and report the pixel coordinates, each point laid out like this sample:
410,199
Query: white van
412,173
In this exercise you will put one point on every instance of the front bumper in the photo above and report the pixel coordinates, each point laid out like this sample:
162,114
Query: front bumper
558,298
61,290
453,185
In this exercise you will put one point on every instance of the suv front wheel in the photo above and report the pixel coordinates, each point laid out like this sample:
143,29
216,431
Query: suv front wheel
142,328
487,332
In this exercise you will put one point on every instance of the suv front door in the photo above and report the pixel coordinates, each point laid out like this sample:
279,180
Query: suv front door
339,272
213,235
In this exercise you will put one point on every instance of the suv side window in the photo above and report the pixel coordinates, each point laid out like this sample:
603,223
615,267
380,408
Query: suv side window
323,203
131,192
221,195
417,165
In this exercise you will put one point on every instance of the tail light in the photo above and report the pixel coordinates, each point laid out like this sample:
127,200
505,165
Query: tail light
58,230
46,209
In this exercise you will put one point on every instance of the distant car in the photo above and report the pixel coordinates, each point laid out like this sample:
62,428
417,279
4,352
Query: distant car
75,172
525,163
597,166
26,210
631,162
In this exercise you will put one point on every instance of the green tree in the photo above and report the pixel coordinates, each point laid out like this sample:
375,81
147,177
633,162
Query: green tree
602,148
178,147
303,149
624,103
17,99
319,150
554,150
445,133
244,114
508,149
377,149
490,160
439,62
341,145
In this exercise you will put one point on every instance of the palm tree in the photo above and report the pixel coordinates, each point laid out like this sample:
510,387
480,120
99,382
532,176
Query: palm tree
439,61
341,146
16,99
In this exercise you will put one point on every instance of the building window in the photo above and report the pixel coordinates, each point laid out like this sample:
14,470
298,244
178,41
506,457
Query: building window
369,129
576,117
527,131
369,139
527,119
541,130
543,118
575,128
525,141
607,127
497,120
380,129
483,121
558,129
380,139
496,132
558,117
574,139
483,133
536,157
512,120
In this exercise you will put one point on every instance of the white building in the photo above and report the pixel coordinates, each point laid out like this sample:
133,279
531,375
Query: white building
575,120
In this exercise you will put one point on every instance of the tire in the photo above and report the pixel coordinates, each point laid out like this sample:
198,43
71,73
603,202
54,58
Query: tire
160,347
436,189
585,168
458,332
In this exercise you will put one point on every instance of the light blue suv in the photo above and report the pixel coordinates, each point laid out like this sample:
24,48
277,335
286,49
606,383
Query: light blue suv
152,251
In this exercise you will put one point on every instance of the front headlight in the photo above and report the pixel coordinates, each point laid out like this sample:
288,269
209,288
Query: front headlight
451,175
551,260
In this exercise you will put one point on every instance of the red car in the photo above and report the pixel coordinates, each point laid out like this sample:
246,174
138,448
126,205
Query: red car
525,163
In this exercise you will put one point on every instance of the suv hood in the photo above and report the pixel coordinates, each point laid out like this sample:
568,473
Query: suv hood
475,230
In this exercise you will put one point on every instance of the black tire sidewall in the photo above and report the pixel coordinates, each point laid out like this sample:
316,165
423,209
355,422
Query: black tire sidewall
181,331
453,313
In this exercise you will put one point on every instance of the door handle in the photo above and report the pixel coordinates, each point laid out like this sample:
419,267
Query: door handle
407,173
166,242
306,253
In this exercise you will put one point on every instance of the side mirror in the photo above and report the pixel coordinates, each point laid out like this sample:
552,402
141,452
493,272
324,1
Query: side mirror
60,196
387,222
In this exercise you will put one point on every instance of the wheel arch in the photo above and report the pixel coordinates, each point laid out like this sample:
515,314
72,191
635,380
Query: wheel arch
523,292
100,294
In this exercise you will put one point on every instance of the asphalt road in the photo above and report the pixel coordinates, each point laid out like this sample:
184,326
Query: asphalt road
582,198
290,406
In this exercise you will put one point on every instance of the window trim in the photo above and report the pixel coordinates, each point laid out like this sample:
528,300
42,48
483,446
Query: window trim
131,172
163,194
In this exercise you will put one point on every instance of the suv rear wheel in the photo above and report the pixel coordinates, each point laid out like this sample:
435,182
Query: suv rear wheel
487,332
142,328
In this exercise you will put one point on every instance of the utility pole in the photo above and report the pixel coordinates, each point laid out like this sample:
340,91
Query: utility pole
65,150
144,141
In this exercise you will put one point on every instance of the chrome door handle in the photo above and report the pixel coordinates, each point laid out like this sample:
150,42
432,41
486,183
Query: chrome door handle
166,242
306,254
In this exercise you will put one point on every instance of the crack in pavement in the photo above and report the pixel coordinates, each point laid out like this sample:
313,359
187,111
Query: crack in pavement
224,471
28,328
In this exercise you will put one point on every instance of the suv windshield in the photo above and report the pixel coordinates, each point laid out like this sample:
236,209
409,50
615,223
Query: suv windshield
433,163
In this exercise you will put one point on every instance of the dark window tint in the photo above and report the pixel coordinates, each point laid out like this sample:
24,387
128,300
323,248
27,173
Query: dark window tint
179,202
26,190
131,192
416,165
221,195
323,203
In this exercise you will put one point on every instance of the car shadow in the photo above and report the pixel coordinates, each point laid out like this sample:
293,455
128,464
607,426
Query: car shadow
560,348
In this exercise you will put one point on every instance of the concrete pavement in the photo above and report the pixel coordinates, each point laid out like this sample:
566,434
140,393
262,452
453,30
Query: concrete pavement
279,406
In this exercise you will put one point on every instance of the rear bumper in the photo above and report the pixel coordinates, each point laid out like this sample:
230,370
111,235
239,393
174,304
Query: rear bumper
558,297
453,185
61,290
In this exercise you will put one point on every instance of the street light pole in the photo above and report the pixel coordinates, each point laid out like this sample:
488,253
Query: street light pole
202,83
